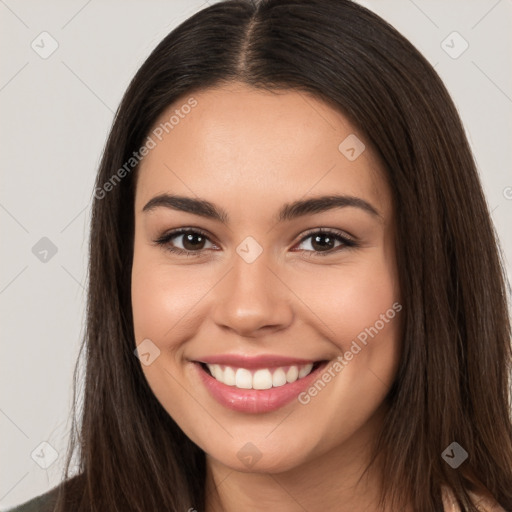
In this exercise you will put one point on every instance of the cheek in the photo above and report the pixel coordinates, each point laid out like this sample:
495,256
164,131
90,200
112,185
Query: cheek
357,308
359,311
352,300
163,301
152,303
163,296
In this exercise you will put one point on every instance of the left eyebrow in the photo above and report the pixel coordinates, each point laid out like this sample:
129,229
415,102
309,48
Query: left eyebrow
288,212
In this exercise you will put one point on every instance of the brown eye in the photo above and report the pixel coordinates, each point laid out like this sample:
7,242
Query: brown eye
324,242
192,241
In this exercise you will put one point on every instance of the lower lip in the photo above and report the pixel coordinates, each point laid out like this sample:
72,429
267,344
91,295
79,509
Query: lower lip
255,400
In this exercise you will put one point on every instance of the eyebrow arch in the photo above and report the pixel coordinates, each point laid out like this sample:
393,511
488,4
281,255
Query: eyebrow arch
288,212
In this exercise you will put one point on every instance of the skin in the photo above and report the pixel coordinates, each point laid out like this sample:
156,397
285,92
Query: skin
250,152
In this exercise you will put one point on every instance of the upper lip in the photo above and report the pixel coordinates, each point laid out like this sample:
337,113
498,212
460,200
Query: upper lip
261,361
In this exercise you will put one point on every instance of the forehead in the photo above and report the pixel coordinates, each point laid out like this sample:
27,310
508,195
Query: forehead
241,146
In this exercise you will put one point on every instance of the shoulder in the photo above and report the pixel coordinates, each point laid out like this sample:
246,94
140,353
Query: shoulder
483,502
72,488
42,503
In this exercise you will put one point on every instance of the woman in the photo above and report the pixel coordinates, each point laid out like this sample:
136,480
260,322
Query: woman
295,295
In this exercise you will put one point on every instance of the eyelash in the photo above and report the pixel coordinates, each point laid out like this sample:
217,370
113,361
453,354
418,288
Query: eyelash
167,237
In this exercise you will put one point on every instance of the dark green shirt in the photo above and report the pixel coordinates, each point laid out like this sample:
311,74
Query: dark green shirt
42,503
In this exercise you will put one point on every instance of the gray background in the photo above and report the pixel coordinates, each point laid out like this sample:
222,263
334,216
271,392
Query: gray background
56,113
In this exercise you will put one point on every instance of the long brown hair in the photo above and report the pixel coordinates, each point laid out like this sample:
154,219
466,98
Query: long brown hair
453,379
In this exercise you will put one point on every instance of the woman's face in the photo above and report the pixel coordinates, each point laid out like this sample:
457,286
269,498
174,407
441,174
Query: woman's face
261,295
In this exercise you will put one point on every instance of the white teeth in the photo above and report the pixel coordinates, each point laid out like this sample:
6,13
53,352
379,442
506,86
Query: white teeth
243,378
304,370
264,378
216,371
292,374
229,377
279,378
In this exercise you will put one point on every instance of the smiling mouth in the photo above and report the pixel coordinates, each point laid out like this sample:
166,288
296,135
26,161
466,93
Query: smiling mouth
261,378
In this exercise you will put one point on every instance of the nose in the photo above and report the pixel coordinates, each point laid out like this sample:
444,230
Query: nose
252,300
